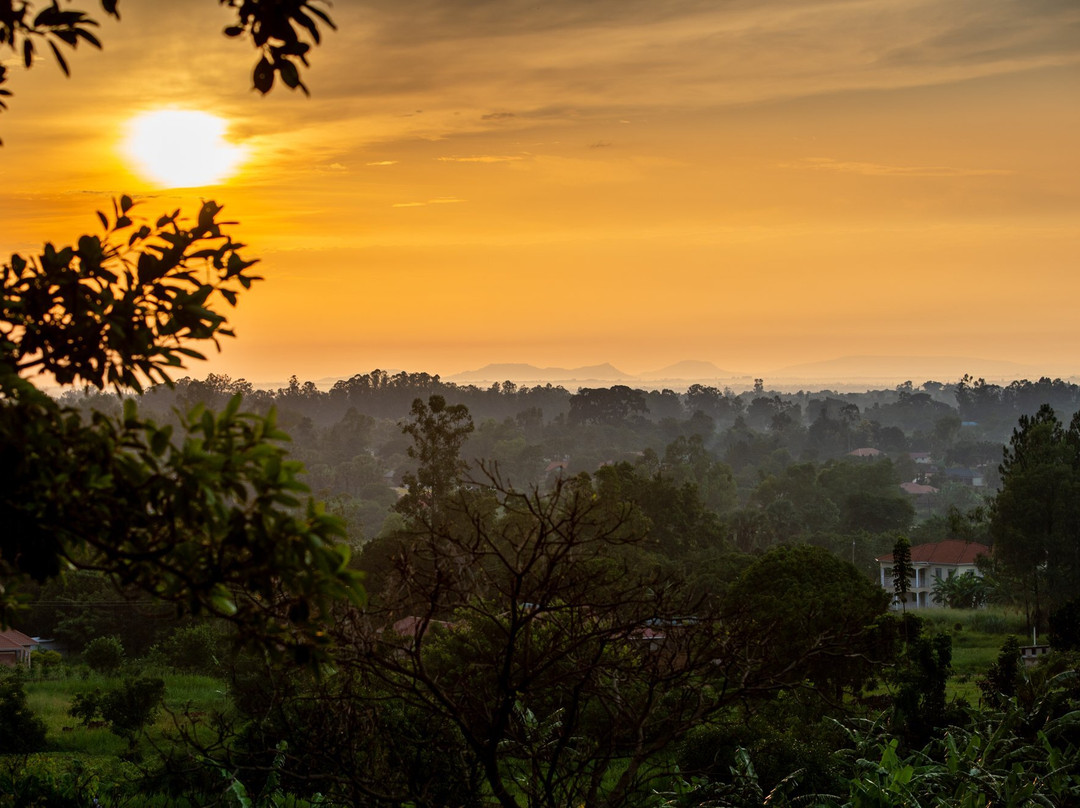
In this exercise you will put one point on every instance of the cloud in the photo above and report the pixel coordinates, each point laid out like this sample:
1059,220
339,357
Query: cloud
482,158
382,163
443,200
634,54
882,170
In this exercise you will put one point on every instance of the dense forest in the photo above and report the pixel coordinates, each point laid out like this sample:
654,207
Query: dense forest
766,466
612,597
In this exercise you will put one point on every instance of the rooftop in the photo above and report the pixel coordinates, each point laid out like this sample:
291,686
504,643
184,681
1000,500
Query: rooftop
950,551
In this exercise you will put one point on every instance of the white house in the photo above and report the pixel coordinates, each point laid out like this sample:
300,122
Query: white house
932,562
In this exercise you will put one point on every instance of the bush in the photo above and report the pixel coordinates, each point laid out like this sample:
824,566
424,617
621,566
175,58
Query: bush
104,654
45,663
127,710
191,649
21,732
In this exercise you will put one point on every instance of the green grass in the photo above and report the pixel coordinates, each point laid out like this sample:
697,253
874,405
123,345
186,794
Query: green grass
51,699
977,637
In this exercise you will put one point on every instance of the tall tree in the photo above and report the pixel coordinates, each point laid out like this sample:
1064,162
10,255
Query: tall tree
546,638
902,571
1035,516
438,431
606,405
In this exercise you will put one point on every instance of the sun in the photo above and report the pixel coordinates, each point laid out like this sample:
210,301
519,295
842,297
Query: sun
182,148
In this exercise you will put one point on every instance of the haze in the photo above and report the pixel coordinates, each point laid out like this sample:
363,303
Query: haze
756,185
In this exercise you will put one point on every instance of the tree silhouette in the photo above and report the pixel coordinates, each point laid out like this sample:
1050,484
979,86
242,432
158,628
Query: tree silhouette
902,571
209,515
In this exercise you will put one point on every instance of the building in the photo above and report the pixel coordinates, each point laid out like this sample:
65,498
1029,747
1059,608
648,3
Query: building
931,563
15,648
965,477
865,451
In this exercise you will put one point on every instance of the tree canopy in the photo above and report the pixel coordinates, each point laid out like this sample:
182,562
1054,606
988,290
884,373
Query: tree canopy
207,514
1035,517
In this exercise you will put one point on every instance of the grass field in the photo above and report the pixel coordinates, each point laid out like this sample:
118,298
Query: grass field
51,699
977,637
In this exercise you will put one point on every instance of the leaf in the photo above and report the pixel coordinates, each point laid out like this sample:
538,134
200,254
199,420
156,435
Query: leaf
321,15
93,40
289,74
60,59
159,441
223,604
263,78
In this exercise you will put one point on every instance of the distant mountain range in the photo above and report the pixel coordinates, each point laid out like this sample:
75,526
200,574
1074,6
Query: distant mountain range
844,372
691,370
852,373
516,372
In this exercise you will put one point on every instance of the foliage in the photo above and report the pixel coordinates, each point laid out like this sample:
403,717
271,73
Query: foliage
1065,626
140,293
29,786
966,591
783,750
1023,752
818,609
194,649
558,653
601,405
925,661
438,432
21,732
104,654
45,662
903,573
1034,516
127,709
278,30
211,522
672,515
1001,679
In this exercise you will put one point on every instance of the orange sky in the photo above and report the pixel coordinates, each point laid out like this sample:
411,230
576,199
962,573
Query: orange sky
756,184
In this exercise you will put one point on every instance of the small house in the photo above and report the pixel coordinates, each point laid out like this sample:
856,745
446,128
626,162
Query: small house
15,648
933,562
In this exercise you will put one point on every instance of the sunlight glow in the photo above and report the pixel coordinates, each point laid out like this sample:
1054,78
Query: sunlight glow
181,148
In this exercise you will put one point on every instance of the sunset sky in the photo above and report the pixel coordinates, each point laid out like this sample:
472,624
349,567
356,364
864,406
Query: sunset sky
753,183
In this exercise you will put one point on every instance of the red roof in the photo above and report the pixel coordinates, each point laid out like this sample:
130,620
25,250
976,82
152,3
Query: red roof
416,626
950,551
918,488
866,451
13,638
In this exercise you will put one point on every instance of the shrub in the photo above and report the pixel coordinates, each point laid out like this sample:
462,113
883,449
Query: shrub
127,710
21,732
192,649
45,663
104,654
